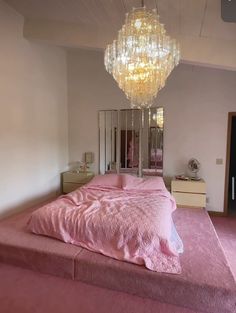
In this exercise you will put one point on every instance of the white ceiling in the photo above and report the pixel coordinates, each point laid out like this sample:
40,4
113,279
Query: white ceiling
93,23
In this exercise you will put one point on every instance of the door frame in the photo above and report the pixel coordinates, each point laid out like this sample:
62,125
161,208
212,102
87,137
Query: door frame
227,162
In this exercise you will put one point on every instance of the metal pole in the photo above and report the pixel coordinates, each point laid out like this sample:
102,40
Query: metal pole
118,144
233,191
140,170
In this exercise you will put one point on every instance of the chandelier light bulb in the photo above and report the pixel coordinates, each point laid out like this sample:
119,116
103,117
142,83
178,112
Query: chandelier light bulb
142,57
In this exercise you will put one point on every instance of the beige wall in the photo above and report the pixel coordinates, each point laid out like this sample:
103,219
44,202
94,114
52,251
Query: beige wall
90,89
33,116
196,102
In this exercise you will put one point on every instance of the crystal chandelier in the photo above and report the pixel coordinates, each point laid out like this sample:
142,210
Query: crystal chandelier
142,57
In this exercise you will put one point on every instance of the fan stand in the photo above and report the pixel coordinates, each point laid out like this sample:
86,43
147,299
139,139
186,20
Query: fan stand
195,177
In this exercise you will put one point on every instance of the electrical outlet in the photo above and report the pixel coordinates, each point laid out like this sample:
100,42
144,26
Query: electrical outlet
207,199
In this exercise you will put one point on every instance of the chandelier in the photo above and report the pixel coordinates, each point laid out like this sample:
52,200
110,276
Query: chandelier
142,57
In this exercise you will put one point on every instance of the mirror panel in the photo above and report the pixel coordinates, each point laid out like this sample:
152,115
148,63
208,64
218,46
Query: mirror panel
108,125
131,141
129,138
154,165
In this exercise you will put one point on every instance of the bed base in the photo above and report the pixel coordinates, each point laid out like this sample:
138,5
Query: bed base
205,285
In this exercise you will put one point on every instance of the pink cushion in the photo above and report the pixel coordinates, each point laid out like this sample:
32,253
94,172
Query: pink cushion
107,180
130,182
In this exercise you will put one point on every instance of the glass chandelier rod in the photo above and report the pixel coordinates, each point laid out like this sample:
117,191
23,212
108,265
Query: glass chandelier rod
142,56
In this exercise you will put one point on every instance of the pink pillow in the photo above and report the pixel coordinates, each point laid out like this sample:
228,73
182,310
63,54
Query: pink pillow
107,180
130,182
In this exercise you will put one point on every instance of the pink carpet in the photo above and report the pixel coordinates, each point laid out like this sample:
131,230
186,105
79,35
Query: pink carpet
226,230
206,282
25,291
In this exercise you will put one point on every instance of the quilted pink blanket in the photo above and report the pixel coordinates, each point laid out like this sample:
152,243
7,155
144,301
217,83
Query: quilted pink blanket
128,225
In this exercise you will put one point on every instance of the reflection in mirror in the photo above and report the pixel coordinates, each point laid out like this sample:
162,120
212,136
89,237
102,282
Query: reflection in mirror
156,123
130,126
131,141
108,125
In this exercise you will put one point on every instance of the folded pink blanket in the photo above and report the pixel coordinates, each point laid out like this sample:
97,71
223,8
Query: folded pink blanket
132,226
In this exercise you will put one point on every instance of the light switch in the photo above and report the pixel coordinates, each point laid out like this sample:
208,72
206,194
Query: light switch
219,161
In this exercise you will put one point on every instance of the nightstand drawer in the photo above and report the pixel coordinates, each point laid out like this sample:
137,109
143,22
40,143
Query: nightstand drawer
188,186
190,199
69,187
73,180
71,177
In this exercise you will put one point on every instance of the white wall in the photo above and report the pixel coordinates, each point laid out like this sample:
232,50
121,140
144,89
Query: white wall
33,116
90,89
196,102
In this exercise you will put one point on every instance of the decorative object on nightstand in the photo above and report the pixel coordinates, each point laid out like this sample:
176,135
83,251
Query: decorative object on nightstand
189,193
84,166
74,180
88,156
182,177
88,160
194,166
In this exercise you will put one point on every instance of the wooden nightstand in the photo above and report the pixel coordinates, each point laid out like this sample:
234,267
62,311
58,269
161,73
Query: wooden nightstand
189,193
73,180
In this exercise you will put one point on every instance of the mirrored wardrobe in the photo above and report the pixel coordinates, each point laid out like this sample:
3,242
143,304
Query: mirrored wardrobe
131,141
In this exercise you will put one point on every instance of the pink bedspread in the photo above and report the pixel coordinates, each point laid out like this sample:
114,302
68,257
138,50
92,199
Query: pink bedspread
133,226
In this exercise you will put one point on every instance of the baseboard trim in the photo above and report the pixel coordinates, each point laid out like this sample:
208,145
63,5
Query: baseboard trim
220,214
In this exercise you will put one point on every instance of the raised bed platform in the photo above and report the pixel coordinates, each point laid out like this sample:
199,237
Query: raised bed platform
205,285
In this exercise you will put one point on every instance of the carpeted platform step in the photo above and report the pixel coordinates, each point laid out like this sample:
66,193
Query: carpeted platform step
206,283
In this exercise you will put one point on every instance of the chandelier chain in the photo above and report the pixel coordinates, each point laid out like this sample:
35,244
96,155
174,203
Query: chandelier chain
156,1
124,5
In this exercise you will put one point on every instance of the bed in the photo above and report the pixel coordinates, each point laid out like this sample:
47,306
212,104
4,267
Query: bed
121,216
205,283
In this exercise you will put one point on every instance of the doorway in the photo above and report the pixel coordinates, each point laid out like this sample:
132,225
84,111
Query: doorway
230,179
